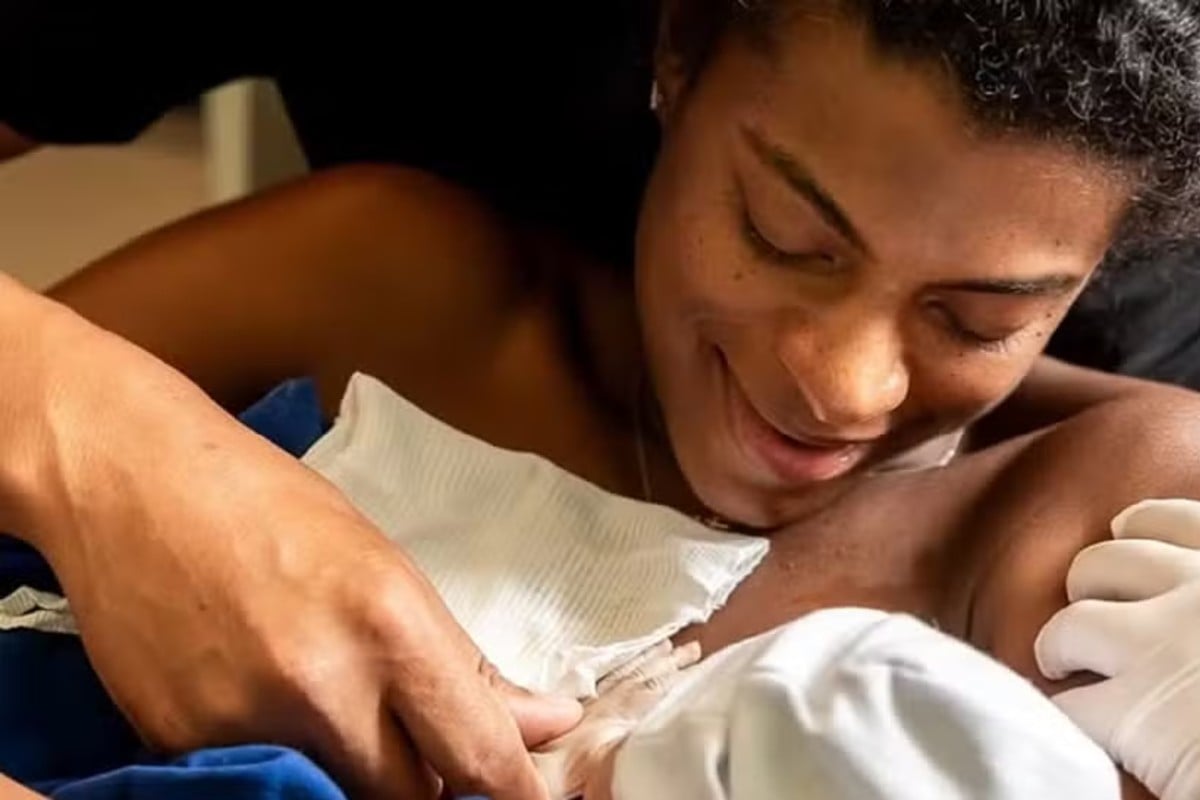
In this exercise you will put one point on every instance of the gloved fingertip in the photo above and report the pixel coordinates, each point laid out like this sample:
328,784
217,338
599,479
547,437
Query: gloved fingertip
1120,523
1175,520
1046,652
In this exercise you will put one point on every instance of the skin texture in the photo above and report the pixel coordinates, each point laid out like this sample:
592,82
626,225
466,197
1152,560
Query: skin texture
514,338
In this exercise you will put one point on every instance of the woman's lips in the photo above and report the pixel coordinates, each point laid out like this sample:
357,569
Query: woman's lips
791,460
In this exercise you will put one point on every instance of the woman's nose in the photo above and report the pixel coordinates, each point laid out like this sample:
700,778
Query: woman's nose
850,372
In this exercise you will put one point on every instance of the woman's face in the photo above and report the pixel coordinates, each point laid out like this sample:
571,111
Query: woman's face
833,265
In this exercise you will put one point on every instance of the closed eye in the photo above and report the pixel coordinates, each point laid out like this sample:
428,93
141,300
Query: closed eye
764,248
963,333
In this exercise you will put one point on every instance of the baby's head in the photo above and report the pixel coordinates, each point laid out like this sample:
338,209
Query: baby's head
868,217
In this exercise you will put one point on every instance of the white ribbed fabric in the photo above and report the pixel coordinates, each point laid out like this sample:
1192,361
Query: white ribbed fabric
556,580
30,609
854,704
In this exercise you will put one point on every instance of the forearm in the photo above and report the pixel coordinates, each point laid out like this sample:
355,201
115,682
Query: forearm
29,340
83,414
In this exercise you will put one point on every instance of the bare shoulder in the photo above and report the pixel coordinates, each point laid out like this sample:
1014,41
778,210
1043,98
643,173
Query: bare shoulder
347,269
1055,495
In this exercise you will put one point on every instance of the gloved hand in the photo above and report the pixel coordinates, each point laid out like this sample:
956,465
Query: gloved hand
1133,619
567,764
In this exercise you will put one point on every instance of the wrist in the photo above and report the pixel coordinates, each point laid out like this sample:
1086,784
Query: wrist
84,415
29,327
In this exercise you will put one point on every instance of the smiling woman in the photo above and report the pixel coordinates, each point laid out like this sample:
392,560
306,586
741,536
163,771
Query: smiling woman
833,246
864,223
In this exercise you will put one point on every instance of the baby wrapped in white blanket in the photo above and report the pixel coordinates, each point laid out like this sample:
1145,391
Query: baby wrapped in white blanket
560,582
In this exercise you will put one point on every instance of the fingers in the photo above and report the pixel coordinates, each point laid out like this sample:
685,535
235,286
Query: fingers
451,701
630,667
658,685
1131,569
627,694
1090,635
401,772
461,725
599,784
539,718
378,762
1105,637
629,699
656,663
660,676
1172,521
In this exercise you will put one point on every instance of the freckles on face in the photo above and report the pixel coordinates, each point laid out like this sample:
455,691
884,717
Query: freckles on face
828,233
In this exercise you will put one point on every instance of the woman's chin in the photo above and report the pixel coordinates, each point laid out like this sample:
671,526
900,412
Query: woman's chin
745,500
740,504
737,491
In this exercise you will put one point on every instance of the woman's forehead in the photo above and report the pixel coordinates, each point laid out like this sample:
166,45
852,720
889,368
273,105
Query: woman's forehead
893,145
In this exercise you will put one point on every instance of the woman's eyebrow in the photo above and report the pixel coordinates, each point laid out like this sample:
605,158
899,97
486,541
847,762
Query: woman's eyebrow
801,180
1047,285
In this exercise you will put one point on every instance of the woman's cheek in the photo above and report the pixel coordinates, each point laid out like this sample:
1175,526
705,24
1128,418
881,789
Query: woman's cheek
968,387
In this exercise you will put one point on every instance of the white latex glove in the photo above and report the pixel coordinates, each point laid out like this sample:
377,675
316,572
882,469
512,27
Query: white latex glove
625,695
1134,619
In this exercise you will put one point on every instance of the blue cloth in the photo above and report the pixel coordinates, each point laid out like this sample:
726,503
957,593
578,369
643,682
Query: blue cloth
21,565
56,721
290,416
61,734
253,772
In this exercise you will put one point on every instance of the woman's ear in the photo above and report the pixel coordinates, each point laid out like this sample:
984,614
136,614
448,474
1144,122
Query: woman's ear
670,85
665,97
671,67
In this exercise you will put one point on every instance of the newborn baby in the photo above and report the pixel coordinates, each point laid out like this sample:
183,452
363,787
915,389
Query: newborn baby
561,583
843,703
565,586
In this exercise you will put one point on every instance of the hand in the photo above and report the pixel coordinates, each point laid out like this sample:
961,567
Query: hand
1132,620
225,593
582,758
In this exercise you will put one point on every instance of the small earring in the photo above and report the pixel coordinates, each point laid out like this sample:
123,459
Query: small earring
656,98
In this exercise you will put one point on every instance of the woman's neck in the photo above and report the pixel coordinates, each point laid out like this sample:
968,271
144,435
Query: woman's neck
599,313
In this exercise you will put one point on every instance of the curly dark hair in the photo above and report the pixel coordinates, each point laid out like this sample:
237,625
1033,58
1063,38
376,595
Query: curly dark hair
1118,79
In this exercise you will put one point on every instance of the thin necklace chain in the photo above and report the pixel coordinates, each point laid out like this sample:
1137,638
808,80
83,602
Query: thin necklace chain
709,519
640,439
